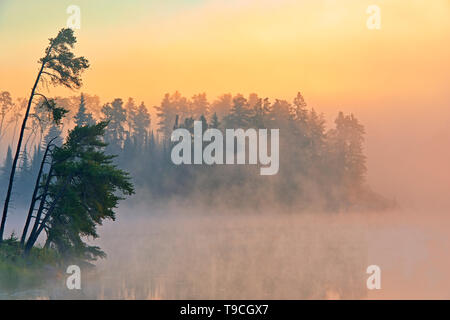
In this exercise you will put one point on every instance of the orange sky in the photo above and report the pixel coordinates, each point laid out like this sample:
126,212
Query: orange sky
271,47
395,80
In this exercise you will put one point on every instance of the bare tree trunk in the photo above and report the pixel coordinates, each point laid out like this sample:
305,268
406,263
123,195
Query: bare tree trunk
41,208
35,233
33,199
16,157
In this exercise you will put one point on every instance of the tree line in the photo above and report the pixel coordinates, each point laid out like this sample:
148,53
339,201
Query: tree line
320,168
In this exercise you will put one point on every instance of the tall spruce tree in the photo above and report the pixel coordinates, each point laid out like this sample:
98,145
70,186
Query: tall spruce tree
83,117
240,114
116,115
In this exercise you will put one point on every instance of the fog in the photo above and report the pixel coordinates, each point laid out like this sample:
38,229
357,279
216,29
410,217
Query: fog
272,254
182,252
197,254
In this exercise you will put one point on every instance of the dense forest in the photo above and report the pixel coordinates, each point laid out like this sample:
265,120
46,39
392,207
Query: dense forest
320,168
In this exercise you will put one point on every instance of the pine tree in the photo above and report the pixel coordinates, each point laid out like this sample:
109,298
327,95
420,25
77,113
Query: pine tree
5,170
347,159
35,161
166,113
222,105
316,132
204,122
240,114
260,113
141,124
24,177
280,113
59,67
214,122
54,133
199,106
131,110
171,106
116,116
299,109
81,190
6,105
83,117
7,164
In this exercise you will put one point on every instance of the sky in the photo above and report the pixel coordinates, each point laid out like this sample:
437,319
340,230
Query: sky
395,79
274,47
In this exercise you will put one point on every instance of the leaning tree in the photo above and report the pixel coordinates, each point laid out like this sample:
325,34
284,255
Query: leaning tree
59,67
81,188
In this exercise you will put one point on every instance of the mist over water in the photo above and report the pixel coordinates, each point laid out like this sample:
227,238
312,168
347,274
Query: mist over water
183,250
170,254
190,253
411,247
177,252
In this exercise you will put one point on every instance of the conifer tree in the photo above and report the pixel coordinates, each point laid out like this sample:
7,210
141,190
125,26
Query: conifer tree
141,124
58,66
81,189
240,114
7,165
116,115
83,117
214,122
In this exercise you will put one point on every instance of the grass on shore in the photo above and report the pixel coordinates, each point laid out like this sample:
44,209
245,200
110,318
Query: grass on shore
18,271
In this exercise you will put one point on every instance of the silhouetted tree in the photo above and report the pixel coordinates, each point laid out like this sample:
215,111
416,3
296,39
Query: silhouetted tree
116,116
54,134
6,106
171,106
59,66
240,114
83,117
7,165
214,122
141,124
347,160
81,189
199,105
222,105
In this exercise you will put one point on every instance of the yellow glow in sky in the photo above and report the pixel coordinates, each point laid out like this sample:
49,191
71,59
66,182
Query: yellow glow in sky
273,47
